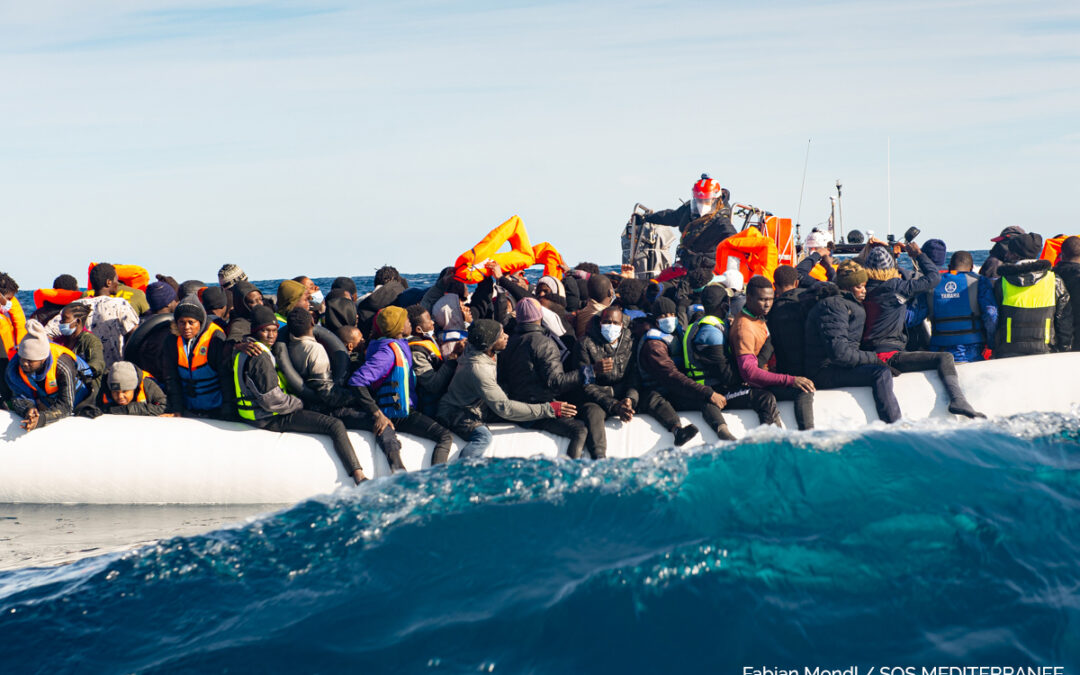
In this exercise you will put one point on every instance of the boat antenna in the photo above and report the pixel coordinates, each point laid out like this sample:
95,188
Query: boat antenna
888,180
839,211
802,187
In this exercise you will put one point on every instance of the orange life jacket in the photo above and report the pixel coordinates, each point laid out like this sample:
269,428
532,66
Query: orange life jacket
1052,249
469,265
55,296
12,328
51,386
202,390
819,273
750,252
129,275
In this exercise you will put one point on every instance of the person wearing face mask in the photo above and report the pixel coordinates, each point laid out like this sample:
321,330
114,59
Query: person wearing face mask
660,374
81,342
433,372
198,373
600,296
833,338
315,296
475,397
703,222
47,382
290,294
608,347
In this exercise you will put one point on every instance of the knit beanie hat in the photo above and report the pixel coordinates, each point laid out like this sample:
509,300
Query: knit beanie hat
289,293
663,306
713,298
529,310
1026,246
213,297
189,287
391,320
553,285
123,376
190,307
936,251
261,317
35,344
159,294
880,264
850,274
483,333
229,274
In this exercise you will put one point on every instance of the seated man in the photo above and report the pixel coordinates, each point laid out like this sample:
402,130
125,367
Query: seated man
608,347
111,318
531,370
229,275
834,330
961,310
130,390
149,342
197,370
388,372
660,374
600,296
433,372
354,406
290,294
474,395
47,381
353,340
886,303
751,346
340,306
216,304
81,342
261,399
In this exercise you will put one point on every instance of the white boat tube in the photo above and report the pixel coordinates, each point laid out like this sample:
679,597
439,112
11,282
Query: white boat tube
146,460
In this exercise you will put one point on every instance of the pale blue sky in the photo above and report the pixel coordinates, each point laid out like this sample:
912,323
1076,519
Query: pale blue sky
326,139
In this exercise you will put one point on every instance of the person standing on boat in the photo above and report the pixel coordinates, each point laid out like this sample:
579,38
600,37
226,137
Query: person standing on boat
608,346
47,382
388,373
531,370
833,335
1035,316
111,318
475,397
753,350
660,374
262,399
888,298
703,222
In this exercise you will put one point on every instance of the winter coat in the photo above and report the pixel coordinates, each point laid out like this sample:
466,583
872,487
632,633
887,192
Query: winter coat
474,390
834,330
700,236
622,382
659,370
1028,273
1069,273
153,406
886,306
370,304
531,369
787,326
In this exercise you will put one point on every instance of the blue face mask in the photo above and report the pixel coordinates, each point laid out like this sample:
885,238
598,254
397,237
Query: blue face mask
610,331
668,324
67,329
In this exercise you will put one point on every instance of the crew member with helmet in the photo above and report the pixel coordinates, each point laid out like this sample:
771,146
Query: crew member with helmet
704,222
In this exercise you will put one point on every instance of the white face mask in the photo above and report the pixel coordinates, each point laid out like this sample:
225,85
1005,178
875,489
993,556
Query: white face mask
668,324
6,306
429,334
610,331
317,298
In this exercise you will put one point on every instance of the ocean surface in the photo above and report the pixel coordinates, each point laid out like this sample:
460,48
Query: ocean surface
927,543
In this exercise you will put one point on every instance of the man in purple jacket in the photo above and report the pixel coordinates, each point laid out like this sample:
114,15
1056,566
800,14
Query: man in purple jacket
388,372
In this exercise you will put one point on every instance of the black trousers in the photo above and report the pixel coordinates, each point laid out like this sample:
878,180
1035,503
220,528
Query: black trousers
804,404
359,420
309,422
761,401
652,403
942,362
713,417
419,424
586,428
876,376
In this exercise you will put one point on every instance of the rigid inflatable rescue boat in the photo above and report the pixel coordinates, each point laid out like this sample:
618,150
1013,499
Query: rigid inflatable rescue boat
147,460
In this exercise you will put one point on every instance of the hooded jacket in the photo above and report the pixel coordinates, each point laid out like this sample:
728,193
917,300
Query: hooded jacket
700,235
833,332
531,370
622,382
886,306
1069,274
1028,273
370,304
474,389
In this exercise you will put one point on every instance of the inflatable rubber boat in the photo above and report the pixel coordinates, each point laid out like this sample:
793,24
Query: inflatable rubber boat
146,460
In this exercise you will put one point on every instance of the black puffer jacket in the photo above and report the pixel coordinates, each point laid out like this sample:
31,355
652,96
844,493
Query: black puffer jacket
787,329
887,304
369,306
834,331
1069,273
700,236
622,381
530,368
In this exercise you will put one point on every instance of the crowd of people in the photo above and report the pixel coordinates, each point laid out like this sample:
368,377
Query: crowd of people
561,355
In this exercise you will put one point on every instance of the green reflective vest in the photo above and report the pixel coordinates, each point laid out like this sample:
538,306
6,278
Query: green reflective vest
1026,319
245,407
689,368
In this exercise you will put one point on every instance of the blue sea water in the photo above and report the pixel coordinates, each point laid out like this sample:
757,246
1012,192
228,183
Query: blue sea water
923,545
